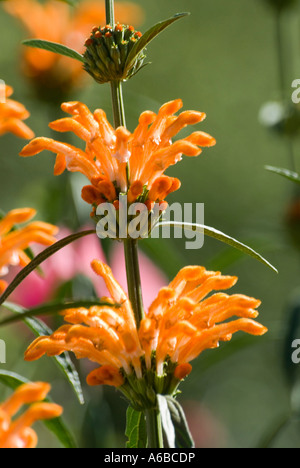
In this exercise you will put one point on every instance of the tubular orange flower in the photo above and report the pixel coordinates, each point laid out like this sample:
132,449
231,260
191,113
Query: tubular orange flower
12,114
18,433
55,21
13,242
149,151
179,325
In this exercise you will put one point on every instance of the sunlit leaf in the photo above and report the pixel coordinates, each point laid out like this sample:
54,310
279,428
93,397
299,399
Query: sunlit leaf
183,436
290,175
56,426
148,36
166,422
53,47
212,232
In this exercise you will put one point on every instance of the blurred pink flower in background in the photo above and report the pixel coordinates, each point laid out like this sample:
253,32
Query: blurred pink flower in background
206,429
152,278
76,259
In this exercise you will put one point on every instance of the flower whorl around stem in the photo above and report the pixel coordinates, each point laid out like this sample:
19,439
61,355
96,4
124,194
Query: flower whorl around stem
149,150
180,324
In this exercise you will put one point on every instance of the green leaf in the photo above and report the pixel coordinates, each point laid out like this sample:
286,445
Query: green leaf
212,232
166,421
70,2
56,426
290,175
148,36
183,437
39,328
136,429
54,47
54,307
40,259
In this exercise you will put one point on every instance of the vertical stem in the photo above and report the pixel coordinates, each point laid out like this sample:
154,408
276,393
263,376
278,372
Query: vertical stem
153,417
134,279
154,428
110,12
118,104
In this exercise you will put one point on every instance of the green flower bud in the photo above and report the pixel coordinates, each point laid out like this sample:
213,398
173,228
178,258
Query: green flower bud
107,51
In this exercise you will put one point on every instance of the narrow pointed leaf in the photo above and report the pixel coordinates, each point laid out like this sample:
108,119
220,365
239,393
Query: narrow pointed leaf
54,308
39,259
290,175
70,2
149,35
64,362
135,429
166,422
183,436
54,47
57,426
212,232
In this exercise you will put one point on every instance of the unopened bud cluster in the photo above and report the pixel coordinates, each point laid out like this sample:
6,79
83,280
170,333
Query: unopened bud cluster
107,51
141,391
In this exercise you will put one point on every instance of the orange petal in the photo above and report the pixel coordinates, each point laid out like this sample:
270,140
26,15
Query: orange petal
17,216
136,189
105,375
3,286
201,139
92,195
60,164
25,394
182,371
184,119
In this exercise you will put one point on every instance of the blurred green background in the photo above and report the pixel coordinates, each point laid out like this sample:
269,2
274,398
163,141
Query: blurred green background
221,60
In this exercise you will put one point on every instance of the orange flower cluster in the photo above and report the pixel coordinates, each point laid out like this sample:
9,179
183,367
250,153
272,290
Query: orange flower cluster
18,433
180,324
13,241
12,114
55,21
148,151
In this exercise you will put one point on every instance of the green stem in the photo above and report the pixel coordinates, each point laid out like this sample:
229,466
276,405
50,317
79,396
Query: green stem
153,417
154,428
134,279
118,104
110,12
